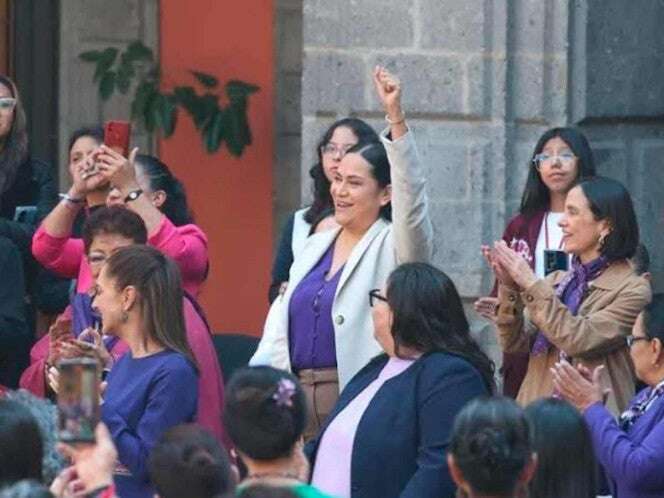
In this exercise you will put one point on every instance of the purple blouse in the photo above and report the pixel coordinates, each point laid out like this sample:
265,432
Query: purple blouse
310,329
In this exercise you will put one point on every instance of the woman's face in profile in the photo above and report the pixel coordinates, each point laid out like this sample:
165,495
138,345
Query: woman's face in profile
581,231
382,319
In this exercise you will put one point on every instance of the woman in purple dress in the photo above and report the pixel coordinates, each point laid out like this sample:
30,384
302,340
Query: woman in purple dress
631,447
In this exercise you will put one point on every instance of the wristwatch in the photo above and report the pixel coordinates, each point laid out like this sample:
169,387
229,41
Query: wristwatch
133,195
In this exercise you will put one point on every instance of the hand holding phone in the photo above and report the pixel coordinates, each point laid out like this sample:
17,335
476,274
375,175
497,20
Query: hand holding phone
116,136
78,399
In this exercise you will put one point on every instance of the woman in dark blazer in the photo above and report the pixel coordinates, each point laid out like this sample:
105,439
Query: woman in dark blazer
388,434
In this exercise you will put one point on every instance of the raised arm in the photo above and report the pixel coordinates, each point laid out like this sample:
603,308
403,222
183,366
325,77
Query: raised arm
121,172
413,233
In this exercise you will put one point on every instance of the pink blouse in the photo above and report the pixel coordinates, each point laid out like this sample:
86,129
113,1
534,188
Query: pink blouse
331,473
186,244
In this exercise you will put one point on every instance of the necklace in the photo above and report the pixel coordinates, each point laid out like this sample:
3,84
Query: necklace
280,475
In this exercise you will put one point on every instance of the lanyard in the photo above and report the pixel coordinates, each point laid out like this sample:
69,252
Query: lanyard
546,233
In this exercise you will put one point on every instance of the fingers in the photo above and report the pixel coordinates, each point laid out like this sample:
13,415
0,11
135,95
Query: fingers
132,155
53,378
597,374
68,451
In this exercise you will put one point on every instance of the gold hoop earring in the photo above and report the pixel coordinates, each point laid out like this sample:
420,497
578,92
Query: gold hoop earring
602,241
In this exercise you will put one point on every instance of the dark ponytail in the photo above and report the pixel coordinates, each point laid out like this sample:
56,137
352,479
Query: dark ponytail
160,177
188,461
491,445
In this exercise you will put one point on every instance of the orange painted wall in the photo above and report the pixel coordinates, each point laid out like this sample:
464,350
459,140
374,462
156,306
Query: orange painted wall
231,198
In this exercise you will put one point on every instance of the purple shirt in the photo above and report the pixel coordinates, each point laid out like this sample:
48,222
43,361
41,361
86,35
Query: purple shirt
633,459
310,329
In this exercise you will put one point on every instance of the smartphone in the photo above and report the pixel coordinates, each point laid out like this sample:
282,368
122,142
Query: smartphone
116,136
555,260
78,400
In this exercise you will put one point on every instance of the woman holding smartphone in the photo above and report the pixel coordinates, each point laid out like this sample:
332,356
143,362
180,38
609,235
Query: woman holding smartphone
561,157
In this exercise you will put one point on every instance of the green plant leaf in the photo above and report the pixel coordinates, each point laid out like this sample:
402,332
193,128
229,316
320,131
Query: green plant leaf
105,62
144,93
236,89
165,114
233,126
90,56
213,134
107,85
207,80
137,51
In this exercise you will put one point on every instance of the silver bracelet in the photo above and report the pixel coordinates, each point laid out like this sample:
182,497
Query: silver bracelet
73,200
401,120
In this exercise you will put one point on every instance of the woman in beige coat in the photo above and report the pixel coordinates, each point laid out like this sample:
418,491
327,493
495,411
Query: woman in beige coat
583,314
321,327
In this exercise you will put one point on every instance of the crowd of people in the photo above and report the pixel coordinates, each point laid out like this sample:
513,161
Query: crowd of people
367,381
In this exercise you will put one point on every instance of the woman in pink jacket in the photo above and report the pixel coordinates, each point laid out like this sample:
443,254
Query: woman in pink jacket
157,189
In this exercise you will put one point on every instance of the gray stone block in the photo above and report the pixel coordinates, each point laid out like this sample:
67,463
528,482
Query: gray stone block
449,172
358,23
527,88
480,81
453,25
288,118
95,20
288,30
432,84
333,82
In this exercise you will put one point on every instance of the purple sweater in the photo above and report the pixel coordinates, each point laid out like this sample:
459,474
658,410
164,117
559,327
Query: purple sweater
144,398
633,460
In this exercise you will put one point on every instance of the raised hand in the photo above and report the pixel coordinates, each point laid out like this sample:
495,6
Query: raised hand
94,462
487,307
85,176
117,169
388,88
512,266
575,387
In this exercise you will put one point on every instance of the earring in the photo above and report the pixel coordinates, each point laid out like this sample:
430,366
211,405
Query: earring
602,241
124,317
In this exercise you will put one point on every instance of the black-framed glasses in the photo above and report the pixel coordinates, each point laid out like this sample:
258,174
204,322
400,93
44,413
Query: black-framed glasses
631,339
375,294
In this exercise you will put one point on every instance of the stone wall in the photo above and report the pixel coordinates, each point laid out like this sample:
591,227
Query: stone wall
482,80
93,25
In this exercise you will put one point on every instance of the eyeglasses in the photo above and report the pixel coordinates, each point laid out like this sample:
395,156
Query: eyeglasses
333,150
565,158
631,339
7,103
375,294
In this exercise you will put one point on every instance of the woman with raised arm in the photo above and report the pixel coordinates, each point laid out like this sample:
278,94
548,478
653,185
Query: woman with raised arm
319,216
321,327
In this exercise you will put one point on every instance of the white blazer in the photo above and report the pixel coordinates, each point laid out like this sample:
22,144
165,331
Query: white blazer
385,245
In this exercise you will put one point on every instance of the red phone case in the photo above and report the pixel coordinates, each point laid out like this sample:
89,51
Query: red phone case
116,136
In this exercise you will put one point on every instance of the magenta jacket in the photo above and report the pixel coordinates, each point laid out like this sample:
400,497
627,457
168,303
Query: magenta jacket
187,245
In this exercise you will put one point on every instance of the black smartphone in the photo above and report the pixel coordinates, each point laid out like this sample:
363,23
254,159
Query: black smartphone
78,399
555,260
